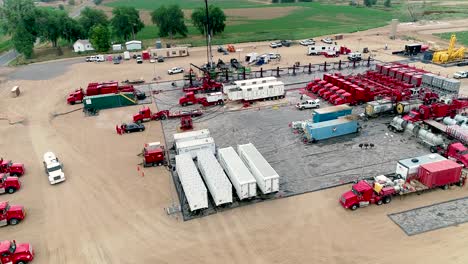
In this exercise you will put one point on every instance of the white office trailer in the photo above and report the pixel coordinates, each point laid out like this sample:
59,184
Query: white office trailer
192,183
240,176
187,136
216,180
266,176
255,81
269,90
193,146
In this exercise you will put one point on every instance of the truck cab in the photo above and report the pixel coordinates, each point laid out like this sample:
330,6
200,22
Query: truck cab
308,104
458,152
75,97
14,169
188,99
412,116
53,168
15,253
9,184
153,154
10,214
143,115
363,194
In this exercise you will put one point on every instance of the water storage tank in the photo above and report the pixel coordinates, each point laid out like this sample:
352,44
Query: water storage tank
399,123
412,129
430,138
449,121
375,108
461,119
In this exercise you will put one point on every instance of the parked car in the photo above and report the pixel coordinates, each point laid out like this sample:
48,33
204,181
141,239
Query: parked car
175,70
134,56
307,42
139,60
275,45
286,43
88,59
160,59
116,60
133,127
152,60
327,40
274,56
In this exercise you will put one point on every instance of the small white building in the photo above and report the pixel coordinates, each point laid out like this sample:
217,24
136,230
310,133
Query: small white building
82,45
117,47
133,45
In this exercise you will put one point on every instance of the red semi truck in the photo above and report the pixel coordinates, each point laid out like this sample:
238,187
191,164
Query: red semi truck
381,189
436,110
14,169
210,99
9,184
11,214
15,253
145,114
455,151
96,89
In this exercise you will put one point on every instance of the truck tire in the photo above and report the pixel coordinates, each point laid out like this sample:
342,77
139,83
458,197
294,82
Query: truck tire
387,199
141,129
354,207
184,104
301,108
10,190
379,202
13,221
72,102
163,117
21,262
445,187
433,149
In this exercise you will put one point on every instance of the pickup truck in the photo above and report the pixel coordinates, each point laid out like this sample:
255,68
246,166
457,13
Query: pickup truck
308,104
53,168
460,75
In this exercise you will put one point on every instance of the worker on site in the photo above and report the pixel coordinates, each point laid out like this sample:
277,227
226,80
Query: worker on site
386,46
302,96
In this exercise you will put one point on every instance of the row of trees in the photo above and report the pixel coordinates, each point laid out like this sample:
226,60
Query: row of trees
26,23
170,20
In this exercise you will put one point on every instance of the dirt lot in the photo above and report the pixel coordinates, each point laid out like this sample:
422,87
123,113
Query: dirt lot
107,212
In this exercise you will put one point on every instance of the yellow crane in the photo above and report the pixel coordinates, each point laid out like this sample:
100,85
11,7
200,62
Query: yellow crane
449,55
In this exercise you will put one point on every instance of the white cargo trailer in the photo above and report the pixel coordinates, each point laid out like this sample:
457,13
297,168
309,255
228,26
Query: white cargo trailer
408,168
216,180
318,50
187,136
240,176
192,183
270,90
193,146
266,176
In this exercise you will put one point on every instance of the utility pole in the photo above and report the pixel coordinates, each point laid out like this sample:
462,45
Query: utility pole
208,37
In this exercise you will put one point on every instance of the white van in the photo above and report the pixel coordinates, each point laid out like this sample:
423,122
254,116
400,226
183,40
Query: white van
53,168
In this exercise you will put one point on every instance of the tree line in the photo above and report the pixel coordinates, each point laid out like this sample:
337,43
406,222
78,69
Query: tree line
26,24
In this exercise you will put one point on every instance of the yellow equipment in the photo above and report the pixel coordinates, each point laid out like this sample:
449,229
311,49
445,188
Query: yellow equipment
449,55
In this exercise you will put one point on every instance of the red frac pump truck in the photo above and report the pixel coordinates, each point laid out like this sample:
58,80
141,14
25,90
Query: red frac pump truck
14,169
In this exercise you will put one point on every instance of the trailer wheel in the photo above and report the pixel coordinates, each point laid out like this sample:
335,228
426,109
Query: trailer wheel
433,149
354,207
301,108
163,117
10,190
14,221
72,102
21,262
379,202
445,187
184,104
387,199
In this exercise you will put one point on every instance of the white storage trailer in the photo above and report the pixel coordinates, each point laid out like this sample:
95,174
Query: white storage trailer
408,168
193,146
192,183
240,176
216,180
266,176
271,90
187,136
255,81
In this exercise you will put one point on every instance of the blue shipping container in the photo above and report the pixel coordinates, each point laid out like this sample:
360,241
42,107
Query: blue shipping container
328,129
330,113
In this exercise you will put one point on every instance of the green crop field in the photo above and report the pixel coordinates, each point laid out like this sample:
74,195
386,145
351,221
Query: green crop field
462,37
185,4
309,20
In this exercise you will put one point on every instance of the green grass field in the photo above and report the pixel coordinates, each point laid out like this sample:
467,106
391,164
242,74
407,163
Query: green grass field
462,37
185,4
311,20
